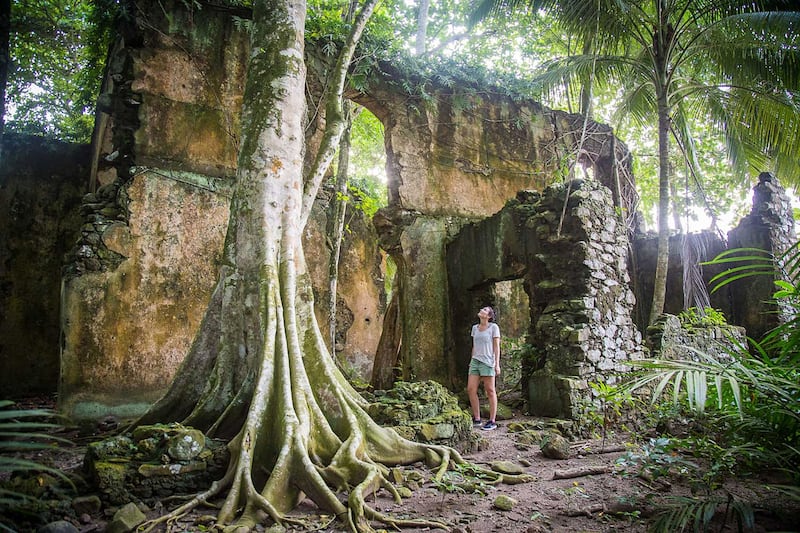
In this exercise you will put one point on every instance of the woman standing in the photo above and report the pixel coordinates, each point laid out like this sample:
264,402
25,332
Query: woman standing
484,366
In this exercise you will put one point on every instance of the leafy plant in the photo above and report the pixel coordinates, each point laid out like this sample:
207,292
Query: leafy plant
680,513
23,431
657,459
754,395
691,379
694,317
612,400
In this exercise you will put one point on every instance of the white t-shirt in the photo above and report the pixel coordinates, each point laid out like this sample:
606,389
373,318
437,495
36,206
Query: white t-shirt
483,349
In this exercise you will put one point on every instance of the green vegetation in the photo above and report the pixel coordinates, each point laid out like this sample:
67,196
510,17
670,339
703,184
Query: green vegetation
23,432
742,411
57,49
701,318
609,406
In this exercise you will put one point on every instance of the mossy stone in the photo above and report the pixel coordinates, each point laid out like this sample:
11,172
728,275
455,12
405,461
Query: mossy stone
504,503
507,467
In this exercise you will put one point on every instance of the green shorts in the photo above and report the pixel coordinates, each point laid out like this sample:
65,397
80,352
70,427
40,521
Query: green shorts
478,368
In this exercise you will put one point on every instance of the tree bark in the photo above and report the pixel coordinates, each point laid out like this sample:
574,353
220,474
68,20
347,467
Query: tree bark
388,351
660,61
337,222
422,27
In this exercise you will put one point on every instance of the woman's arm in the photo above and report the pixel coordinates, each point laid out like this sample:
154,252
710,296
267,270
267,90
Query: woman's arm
472,334
496,350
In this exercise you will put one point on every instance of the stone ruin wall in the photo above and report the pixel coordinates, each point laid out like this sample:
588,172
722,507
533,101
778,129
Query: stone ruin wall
139,278
168,115
748,302
455,159
770,227
574,270
669,339
169,105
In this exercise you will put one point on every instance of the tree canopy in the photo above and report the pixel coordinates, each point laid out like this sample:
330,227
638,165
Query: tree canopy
733,64
57,53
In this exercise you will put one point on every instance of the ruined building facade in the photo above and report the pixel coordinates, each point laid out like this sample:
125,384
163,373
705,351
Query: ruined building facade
556,258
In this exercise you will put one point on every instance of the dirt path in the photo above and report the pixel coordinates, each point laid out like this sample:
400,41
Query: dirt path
615,499
545,504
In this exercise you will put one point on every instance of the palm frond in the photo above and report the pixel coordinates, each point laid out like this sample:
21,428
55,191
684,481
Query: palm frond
638,104
25,430
680,513
571,70
693,375
750,261
485,9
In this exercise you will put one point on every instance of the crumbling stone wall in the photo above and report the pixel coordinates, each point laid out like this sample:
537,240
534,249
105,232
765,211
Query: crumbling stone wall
669,339
165,161
575,272
172,100
455,158
769,227
748,302
41,184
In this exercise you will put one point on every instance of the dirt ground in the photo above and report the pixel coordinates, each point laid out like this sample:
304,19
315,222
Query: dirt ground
618,499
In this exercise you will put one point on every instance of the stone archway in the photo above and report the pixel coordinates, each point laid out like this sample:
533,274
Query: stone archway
456,158
575,274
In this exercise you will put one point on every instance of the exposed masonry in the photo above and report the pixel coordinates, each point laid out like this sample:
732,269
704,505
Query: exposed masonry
571,250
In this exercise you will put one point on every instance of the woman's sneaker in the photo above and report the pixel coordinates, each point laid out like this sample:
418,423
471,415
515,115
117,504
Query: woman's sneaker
476,423
488,426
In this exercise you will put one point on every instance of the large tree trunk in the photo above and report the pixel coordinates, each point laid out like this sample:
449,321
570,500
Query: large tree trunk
387,354
259,369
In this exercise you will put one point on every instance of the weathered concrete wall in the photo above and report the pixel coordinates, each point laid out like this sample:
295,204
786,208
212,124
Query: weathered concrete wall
166,161
576,276
41,184
173,98
454,158
127,324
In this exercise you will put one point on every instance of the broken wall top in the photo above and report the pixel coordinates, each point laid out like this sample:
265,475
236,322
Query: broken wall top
460,150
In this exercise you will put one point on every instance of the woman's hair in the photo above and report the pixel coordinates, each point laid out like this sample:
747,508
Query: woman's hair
492,314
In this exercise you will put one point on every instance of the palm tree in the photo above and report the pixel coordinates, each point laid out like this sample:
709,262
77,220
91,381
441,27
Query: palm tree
736,62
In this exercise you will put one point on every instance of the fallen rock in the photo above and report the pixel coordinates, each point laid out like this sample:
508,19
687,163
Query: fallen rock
126,519
60,526
555,447
504,503
86,504
507,467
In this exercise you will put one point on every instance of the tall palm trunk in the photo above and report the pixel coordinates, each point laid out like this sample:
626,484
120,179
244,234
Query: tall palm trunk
662,256
662,35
